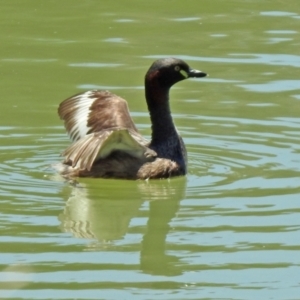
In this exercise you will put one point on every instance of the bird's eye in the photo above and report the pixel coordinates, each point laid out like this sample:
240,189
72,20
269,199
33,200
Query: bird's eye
177,68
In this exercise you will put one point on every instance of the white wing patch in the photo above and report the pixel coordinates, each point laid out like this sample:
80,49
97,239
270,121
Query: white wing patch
82,106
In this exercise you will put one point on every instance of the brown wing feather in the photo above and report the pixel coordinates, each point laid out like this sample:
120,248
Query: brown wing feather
109,110
94,111
83,153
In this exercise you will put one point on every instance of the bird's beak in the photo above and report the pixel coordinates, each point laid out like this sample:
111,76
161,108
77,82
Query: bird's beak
196,73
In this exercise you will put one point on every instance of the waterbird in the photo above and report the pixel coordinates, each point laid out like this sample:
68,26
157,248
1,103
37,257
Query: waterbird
106,142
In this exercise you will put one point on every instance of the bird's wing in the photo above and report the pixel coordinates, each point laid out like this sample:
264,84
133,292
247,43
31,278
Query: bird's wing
94,111
94,146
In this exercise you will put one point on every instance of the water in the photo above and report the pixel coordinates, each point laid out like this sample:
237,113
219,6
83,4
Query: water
230,229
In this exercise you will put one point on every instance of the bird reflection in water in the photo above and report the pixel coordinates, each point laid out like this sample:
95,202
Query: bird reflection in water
105,216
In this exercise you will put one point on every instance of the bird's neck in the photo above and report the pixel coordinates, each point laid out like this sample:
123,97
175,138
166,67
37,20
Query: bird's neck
157,98
165,138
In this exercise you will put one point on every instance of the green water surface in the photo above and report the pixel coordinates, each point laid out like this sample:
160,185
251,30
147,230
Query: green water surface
230,229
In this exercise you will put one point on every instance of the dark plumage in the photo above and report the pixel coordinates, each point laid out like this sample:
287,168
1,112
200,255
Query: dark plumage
107,144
